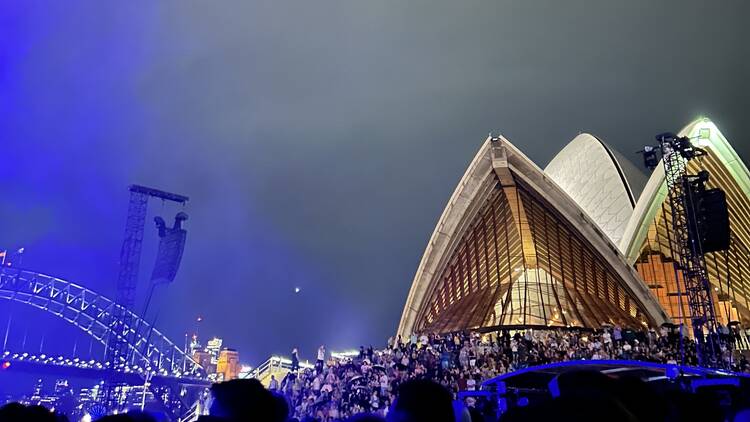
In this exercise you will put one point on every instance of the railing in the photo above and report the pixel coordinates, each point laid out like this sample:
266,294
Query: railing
196,410
274,364
27,360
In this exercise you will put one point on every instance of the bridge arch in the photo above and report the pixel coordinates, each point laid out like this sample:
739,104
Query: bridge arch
93,314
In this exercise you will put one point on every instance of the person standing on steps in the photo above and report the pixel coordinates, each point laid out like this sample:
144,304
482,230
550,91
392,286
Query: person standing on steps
321,359
295,360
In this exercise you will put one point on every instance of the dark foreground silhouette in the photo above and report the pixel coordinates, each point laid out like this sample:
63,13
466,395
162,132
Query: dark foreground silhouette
580,395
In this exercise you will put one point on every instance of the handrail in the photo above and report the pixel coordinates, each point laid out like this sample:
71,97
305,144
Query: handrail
279,362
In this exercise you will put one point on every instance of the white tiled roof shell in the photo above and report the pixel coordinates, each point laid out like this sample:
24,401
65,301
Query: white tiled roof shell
590,174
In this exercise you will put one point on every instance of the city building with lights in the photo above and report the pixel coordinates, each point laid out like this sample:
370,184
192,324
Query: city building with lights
213,347
576,244
220,363
203,358
228,367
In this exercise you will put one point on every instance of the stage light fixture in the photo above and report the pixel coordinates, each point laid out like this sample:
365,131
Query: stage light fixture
650,158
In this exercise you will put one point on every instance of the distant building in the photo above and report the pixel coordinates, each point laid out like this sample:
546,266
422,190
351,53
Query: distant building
62,386
37,395
87,395
203,358
220,363
213,347
229,364
195,344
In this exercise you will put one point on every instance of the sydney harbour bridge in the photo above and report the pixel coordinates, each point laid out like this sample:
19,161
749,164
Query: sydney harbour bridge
154,360
135,352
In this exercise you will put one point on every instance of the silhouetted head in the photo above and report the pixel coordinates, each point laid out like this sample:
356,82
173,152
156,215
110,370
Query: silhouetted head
243,400
13,412
701,406
365,417
422,401
132,416
281,407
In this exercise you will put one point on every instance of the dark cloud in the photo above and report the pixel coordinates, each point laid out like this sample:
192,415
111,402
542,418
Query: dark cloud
319,141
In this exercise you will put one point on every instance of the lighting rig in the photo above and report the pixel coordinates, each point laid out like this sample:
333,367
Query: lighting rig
700,225
122,326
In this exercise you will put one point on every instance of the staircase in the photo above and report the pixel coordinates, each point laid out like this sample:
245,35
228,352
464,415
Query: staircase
275,365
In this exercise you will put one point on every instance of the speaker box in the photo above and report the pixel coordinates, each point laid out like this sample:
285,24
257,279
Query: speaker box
715,230
708,220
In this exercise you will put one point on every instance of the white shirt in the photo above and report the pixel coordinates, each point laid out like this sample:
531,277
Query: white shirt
321,354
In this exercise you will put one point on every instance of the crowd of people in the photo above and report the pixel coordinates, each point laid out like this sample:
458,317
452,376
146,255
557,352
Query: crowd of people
418,379
340,388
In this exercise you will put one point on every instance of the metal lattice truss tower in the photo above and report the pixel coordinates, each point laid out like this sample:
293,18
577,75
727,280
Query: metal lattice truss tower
123,328
691,259
95,315
127,280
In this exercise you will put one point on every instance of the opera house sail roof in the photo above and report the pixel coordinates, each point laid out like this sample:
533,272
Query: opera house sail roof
588,171
568,246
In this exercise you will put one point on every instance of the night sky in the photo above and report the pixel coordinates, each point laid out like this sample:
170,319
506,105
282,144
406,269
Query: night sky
318,141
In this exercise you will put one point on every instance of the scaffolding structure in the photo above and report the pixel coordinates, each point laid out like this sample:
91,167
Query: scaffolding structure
123,327
691,258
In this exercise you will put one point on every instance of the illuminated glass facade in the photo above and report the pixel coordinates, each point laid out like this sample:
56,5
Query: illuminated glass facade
520,264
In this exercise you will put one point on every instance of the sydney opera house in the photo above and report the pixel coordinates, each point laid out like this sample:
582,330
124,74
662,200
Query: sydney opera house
574,244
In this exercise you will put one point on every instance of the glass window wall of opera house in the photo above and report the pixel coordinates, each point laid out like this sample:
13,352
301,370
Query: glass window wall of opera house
573,245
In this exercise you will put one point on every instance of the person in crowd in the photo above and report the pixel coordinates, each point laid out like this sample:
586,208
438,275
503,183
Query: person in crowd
131,416
16,412
617,335
374,381
471,384
320,362
462,361
246,400
295,360
422,400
